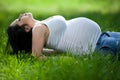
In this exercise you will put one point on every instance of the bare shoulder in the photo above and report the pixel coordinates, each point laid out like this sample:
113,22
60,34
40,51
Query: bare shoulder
41,30
40,27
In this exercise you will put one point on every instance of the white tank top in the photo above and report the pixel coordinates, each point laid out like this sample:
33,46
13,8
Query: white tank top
57,26
76,36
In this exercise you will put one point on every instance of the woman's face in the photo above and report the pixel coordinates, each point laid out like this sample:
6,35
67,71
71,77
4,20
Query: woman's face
23,19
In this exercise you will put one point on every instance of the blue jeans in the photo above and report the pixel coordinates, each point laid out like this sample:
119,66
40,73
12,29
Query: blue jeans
109,42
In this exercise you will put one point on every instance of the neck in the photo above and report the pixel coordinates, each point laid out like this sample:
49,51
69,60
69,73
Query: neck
32,24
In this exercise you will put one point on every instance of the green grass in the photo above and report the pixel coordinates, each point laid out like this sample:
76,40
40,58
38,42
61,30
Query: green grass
61,67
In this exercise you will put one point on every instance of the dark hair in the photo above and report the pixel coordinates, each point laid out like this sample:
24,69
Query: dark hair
19,39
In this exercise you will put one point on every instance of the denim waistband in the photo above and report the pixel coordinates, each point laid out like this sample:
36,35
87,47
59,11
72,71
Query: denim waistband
109,42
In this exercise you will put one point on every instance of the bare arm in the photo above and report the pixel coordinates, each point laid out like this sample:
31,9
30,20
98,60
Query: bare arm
38,40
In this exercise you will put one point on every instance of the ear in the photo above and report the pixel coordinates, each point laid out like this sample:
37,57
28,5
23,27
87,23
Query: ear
27,28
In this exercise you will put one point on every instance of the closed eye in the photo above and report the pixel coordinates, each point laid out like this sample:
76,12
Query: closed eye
20,17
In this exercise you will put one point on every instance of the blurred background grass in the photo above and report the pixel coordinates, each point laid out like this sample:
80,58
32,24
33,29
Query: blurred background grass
105,12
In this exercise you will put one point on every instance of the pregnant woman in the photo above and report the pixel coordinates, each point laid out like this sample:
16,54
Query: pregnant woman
76,36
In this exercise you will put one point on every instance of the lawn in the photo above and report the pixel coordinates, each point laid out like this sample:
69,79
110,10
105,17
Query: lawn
60,67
